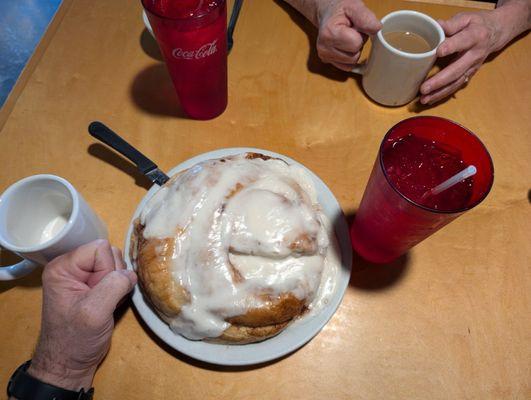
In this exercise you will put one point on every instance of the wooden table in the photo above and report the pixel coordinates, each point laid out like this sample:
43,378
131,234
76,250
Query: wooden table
451,321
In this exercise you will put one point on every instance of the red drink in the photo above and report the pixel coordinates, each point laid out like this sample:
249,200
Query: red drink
193,39
416,155
415,165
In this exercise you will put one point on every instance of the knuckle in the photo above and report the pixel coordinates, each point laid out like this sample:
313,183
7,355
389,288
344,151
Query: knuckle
357,44
88,316
51,269
477,56
326,33
475,18
47,272
323,54
121,280
460,16
482,34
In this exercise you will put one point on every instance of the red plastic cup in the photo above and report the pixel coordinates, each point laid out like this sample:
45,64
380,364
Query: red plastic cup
192,36
388,223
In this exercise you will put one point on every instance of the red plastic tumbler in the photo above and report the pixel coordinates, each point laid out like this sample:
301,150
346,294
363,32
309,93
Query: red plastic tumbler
416,155
193,39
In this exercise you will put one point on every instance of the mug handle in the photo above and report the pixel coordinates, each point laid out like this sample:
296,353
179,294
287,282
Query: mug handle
17,270
360,68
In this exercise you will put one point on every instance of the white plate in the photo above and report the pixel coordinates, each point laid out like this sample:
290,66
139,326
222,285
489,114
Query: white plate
297,333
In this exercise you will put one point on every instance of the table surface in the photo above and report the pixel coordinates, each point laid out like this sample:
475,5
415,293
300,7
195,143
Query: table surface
449,321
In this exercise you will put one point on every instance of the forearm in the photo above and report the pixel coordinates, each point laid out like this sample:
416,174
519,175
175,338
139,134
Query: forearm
308,8
514,17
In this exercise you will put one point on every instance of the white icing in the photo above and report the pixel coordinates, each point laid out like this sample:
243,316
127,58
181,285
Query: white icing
238,218
332,264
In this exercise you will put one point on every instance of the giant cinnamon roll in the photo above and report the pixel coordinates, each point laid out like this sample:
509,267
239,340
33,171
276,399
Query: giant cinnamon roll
233,249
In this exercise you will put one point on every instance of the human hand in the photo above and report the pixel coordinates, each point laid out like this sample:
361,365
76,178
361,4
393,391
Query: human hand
473,36
343,29
81,290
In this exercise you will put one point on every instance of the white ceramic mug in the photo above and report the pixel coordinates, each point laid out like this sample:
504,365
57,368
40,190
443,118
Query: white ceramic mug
41,217
393,77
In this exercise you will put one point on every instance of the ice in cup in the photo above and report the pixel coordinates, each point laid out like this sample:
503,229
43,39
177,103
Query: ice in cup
397,210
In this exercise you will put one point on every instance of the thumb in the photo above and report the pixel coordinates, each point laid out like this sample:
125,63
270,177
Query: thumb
363,19
106,295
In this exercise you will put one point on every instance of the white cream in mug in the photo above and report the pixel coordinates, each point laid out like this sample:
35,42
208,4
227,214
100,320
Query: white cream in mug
52,228
244,214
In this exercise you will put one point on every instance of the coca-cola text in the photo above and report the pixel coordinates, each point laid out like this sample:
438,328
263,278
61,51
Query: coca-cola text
202,52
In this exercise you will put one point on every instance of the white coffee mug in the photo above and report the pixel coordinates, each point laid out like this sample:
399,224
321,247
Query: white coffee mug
41,217
393,77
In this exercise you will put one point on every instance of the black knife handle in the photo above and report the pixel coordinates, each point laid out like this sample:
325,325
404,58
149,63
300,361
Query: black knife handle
232,22
112,139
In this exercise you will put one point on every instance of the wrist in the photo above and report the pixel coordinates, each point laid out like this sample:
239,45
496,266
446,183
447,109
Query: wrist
512,18
57,374
321,8
308,8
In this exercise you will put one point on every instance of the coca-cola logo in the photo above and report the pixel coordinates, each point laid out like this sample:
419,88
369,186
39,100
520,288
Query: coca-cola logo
202,52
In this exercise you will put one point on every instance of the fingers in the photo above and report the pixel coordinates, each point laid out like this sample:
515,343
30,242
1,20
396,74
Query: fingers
104,262
105,296
444,92
118,258
89,263
340,45
363,19
345,67
80,264
113,261
343,35
347,39
335,56
455,24
341,61
447,90
448,75
93,256
462,41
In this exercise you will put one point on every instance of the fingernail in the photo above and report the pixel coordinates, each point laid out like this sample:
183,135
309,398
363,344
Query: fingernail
101,243
425,89
129,274
423,100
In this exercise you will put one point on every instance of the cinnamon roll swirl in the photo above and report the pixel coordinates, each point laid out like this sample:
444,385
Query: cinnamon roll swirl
233,249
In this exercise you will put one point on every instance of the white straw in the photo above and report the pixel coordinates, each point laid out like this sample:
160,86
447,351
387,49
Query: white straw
466,173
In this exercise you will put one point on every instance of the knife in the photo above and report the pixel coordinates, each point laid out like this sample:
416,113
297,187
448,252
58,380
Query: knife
144,164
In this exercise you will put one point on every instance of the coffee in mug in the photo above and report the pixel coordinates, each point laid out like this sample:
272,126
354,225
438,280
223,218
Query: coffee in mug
398,64
407,41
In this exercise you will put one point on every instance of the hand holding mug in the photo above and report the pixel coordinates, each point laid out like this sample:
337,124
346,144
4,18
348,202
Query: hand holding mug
343,29
394,71
41,217
81,290
472,36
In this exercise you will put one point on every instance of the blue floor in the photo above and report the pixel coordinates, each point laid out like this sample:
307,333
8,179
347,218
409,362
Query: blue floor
22,24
